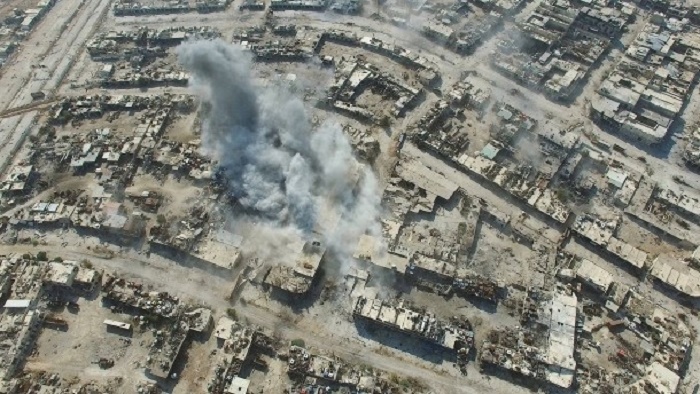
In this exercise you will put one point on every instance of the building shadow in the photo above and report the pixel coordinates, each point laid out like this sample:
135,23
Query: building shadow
404,342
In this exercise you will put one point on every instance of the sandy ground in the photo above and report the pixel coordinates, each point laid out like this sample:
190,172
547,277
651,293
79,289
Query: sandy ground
57,43
75,351
323,326
54,44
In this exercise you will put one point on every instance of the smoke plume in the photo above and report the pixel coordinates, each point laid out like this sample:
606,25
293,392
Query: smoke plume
286,175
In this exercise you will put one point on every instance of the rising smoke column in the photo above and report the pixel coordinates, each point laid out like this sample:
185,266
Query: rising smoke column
276,166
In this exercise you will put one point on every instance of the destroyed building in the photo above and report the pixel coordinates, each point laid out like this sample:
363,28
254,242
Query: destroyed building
239,344
133,295
658,345
366,146
504,162
166,346
600,232
27,286
563,42
471,92
308,5
303,363
548,359
456,336
177,321
648,88
127,8
297,277
20,316
181,233
354,76
691,153
103,43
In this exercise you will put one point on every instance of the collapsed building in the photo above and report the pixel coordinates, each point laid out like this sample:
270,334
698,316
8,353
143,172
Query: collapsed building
302,363
664,214
252,5
501,7
649,87
306,5
346,7
127,8
166,346
434,131
430,255
182,233
562,43
77,108
290,43
366,146
239,344
691,152
132,295
27,286
143,42
21,316
169,341
428,73
114,158
180,160
544,352
17,182
130,56
354,76
444,278
312,370
456,335
529,185
654,358
471,92
298,277
469,37
125,78
179,320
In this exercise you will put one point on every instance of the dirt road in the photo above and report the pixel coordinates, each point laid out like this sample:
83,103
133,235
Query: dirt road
201,286
42,63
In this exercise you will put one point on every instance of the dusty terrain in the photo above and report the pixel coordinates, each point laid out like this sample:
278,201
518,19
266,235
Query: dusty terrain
53,60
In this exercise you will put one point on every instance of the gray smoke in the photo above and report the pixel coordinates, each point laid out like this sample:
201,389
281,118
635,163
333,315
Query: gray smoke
277,167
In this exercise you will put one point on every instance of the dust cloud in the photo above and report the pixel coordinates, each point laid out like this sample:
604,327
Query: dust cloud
287,176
